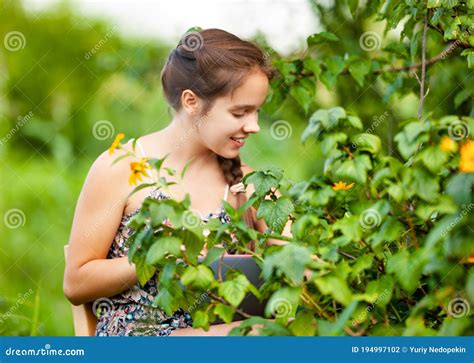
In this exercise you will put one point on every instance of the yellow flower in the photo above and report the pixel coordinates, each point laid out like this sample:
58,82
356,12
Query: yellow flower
448,145
466,164
470,259
116,144
342,186
138,168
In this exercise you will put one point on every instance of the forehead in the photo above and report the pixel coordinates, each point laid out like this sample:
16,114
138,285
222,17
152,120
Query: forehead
252,92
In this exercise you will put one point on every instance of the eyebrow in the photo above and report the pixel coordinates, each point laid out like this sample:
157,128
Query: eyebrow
241,107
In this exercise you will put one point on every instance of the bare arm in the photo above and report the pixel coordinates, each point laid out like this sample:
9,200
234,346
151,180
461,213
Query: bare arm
88,274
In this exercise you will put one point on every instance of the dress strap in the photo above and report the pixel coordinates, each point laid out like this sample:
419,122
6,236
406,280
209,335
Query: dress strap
226,192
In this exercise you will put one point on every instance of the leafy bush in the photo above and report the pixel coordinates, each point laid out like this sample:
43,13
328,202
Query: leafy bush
381,241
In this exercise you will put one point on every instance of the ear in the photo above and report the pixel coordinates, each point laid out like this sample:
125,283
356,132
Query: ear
190,102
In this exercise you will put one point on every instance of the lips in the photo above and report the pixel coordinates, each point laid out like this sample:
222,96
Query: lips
239,141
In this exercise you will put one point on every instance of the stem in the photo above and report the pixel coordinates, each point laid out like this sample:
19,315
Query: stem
396,312
222,301
347,255
423,67
276,236
305,296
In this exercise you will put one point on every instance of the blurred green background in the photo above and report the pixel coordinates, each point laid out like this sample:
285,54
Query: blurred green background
69,83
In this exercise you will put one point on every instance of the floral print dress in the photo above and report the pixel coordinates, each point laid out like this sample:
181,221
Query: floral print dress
130,313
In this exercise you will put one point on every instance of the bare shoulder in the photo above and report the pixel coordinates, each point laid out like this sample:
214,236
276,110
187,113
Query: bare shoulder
105,170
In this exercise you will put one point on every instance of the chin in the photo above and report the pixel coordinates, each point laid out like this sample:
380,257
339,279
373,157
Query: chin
229,154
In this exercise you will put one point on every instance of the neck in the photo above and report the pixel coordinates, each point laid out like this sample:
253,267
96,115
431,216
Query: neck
186,144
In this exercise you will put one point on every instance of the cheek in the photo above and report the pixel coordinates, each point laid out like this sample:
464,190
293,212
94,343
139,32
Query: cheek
218,129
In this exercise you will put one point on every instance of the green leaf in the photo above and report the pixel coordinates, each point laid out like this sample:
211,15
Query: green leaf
213,254
163,247
390,230
367,142
353,5
304,324
355,169
380,291
434,158
421,183
234,290
193,245
200,277
407,268
225,312
290,261
275,213
263,181
335,65
444,205
336,287
169,298
144,271
200,320
460,188
410,138
313,65
331,141
355,122
350,227
283,303
359,69
322,37
362,263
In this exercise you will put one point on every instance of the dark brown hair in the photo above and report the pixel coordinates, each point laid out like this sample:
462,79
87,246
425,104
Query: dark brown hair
213,63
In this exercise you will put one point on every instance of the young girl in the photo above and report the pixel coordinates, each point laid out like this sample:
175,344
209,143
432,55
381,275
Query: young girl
216,83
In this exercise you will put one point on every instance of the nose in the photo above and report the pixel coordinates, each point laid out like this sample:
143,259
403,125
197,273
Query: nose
251,124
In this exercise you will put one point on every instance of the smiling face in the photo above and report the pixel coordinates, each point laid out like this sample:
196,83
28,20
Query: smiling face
232,118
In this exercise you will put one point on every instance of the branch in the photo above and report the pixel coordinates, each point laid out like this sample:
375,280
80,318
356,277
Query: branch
222,301
423,68
439,57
